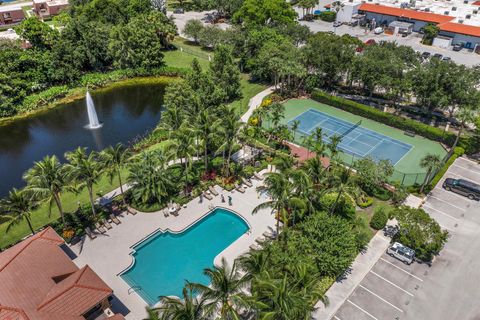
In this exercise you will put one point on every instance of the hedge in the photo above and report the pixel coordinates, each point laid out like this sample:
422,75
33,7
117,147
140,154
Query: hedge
328,16
379,219
457,152
419,128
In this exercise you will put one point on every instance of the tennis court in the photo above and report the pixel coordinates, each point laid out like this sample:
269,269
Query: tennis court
356,139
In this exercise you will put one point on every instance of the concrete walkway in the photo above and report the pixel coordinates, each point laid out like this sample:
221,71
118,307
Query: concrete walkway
343,288
255,102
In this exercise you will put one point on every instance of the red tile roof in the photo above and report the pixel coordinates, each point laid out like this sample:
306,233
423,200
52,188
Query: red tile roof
405,13
302,154
476,3
39,281
460,28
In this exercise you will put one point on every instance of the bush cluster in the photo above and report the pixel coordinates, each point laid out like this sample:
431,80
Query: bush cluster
379,218
457,152
328,16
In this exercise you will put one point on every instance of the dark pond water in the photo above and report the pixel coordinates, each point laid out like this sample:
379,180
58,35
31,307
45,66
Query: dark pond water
126,112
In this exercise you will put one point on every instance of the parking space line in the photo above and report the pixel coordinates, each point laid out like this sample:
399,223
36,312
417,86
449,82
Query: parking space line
460,176
410,274
459,208
393,284
468,169
466,159
452,193
364,311
445,214
336,318
376,295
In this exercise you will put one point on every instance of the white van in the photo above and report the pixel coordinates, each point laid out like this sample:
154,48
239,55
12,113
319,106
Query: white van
402,253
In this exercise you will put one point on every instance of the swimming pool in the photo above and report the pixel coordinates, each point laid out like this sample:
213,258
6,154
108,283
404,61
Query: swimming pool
165,260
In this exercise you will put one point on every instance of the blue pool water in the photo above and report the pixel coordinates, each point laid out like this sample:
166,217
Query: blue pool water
166,260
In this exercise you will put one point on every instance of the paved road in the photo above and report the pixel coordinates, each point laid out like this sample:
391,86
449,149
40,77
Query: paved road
446,290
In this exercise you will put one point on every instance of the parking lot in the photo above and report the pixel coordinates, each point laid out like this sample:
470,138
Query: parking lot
446,290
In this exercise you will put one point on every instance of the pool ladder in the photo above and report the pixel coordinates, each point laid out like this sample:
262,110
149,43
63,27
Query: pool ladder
134,289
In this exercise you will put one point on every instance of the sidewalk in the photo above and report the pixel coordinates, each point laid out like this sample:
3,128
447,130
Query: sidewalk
341,290
255,102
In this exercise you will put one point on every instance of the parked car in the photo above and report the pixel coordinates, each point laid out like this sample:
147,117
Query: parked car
438,56
463,187
447,59
457,47
378,30
179,11
426,55
402,253
337,24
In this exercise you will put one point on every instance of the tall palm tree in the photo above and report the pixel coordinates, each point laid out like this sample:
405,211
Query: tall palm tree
205,125
84,170
335,140
294,128
114,159
46,180
18,206
255,262
345,185
228,131
226,289
188,308
432,163
182,147
465,115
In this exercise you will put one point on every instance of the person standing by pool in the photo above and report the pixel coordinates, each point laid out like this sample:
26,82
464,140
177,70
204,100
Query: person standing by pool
229,200
223,198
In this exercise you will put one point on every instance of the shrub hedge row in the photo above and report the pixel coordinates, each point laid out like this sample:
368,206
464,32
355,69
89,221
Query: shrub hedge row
457,152
419,128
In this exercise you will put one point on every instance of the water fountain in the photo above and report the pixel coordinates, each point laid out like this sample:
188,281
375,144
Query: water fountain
92,114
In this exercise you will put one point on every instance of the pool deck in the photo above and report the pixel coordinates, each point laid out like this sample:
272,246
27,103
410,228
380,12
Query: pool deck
109,254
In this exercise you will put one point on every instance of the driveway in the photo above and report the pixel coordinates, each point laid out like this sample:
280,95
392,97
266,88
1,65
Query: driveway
446,290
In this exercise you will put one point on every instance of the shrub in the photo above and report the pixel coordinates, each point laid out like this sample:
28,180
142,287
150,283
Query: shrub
328,16
365,203
382,194
345,207
379,218
386,118
420,232
457,152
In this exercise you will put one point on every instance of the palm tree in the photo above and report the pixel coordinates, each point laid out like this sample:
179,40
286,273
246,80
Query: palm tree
85,170
335,140
19,205
114,159
188,308
343,184
205,124
182,147
465,115
226,289
228,132
294,128
432,163
46,180
255,262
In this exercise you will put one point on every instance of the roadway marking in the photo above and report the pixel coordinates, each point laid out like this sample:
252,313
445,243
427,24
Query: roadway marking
376,295
466,159
364,311
411,274
336,318
448,203
441,212
393,284
463,177
452,193
468,169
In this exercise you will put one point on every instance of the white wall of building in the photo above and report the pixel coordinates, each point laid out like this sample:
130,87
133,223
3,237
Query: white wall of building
346,13
462,39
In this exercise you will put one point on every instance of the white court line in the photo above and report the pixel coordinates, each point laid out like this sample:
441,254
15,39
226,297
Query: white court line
448,203
470,170
410,274
364,311
393,284
411,148
445,214
376,295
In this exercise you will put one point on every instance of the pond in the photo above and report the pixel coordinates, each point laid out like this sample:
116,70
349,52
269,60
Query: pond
127,112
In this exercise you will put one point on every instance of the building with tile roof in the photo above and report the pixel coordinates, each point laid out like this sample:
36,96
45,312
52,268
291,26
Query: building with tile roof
38,281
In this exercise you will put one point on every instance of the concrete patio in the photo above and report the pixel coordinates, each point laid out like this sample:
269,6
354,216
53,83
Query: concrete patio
109,254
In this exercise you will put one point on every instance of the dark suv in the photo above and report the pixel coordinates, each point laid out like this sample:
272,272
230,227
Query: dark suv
463,187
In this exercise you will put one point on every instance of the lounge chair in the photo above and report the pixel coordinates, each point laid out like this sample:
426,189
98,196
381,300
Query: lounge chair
259,177
270,235
131,210
90,234
106,224
260,240
100,228
165,213
246,182
114,219
255,247
239,188
213,191
208,196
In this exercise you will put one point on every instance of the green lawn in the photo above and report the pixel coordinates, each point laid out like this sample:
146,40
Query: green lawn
183,59
249,89
408,165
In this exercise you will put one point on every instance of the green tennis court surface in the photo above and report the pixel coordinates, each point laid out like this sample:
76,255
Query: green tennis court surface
403,151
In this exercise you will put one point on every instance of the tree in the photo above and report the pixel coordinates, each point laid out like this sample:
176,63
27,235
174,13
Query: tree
257,13
465,116
225,72
188,308
294,127
420,232
193,28
18,206
46,180
432,163
430,31
114,160
205,124
371,175
344,185
182,147
84,170
227,132
38,33
307,6
211,36
209,93
226,291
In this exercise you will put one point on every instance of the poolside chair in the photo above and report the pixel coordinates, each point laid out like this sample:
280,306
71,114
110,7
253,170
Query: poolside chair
90,234
213,191
256,175
165,213
208,196
255,247
246,182
260,240
239,188
131,211
114,219
270,235
100,228
106,224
